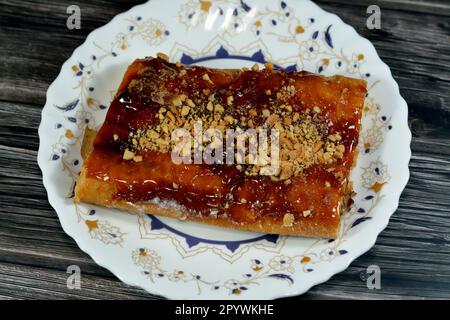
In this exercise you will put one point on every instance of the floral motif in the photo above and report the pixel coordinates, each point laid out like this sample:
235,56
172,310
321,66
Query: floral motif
194,13
281,263
355,63
177,275
371,107
257,265
152,31
371,139
59,149
104,231
375,124
150,263
309,50
327,254
99,229
80,70
256,27
282,24
145,258
84,118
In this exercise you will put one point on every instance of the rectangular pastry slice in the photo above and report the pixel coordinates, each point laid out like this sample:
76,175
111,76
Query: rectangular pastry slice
298,185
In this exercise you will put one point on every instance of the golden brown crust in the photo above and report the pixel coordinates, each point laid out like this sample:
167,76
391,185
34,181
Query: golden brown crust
88,142
102,193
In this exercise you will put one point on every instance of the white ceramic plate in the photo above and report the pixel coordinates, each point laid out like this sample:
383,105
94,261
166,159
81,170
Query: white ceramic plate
188,260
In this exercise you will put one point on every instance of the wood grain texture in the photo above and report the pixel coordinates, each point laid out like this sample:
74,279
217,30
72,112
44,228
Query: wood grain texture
414,250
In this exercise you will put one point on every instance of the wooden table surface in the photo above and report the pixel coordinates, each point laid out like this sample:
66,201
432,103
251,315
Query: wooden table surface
414,250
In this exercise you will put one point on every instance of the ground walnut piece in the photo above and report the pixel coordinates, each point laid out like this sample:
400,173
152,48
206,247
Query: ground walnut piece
304,140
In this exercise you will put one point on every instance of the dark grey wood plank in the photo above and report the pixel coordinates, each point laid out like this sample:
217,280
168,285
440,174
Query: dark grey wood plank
19,132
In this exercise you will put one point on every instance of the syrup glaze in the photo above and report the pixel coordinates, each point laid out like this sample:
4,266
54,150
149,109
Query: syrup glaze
220,188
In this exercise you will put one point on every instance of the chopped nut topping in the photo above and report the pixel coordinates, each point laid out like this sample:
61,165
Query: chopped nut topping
272,119
162,56
137,158
190,103
304,137
206,78
255,67
307,213
287,170
229,119
177,101
115,136
268,65
219,108
171,116
285,93
185,111
335,137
